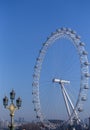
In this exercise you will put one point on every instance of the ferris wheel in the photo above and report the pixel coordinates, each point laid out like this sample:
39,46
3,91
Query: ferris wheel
73,110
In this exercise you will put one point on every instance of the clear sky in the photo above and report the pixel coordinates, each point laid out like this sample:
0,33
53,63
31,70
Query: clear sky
24,26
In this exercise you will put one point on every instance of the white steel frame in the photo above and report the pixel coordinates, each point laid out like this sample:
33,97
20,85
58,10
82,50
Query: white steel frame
67,99
80,47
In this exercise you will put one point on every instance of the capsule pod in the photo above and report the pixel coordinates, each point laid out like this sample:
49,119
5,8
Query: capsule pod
87,75
53,33
42,51
86,87
78,37
84,53
84,98
82,44
64,29
57,30
48,38
34,93
80,109
34,101
35,75
73,32
34,84
35,109
38,59
35,67
69,29
37,116
86,63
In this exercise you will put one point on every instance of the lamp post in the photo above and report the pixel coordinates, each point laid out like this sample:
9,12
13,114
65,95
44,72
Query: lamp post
12,107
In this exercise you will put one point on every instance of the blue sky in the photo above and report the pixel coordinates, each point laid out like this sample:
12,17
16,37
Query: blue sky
24,26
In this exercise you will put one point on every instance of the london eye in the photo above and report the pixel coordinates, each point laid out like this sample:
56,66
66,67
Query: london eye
73,109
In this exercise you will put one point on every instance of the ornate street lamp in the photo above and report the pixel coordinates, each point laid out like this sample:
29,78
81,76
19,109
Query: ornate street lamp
12,107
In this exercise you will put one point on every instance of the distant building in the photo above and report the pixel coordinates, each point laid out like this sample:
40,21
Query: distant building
3,124
21,119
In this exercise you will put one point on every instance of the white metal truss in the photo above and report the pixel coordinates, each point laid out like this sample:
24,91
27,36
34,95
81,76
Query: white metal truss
80,46
67,99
